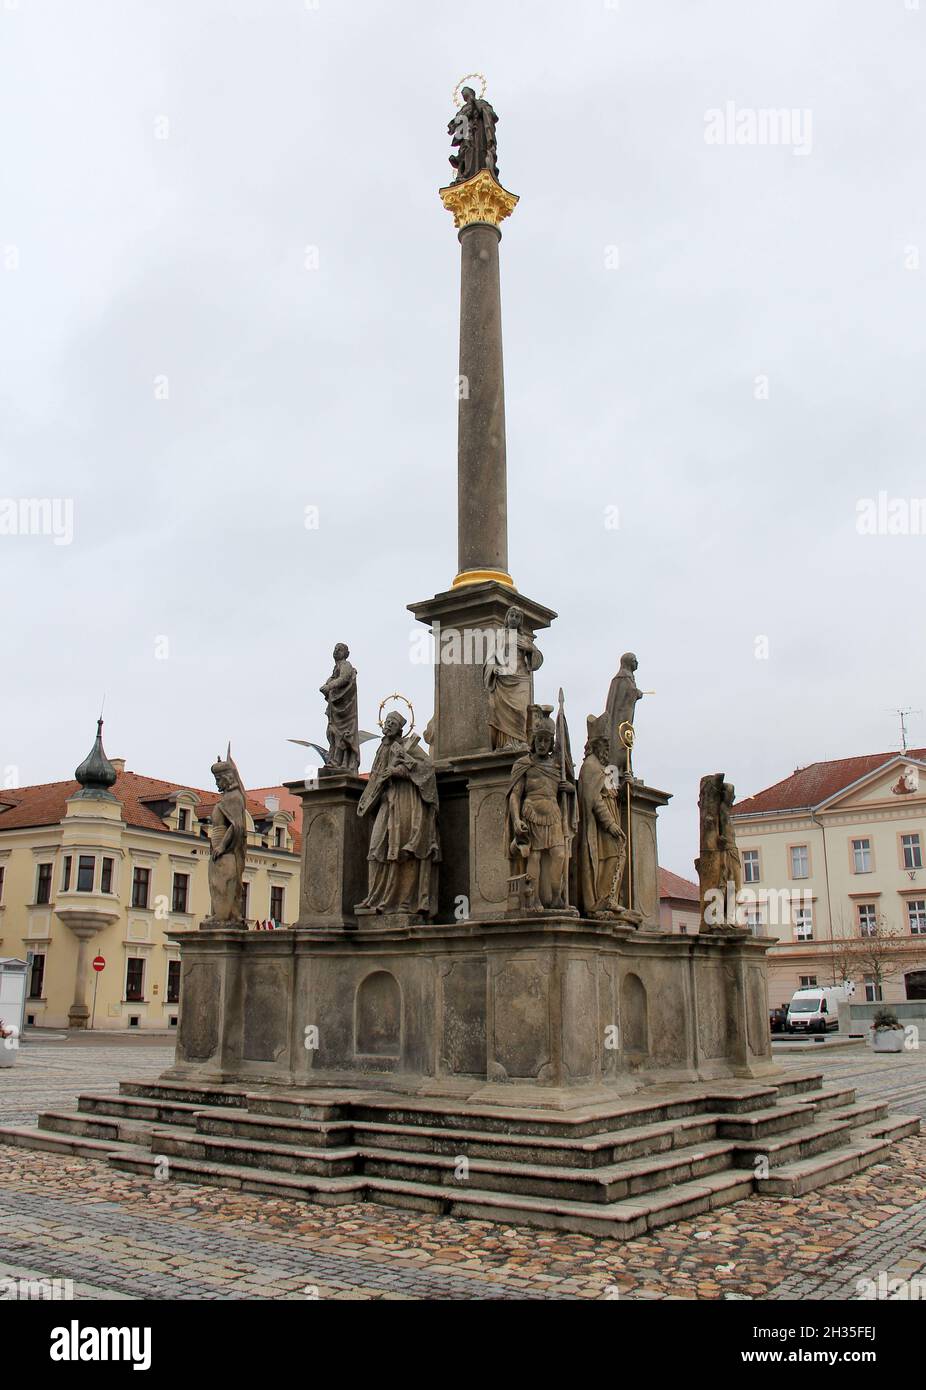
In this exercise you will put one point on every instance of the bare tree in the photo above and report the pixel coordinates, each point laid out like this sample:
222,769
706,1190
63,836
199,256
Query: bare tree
882,952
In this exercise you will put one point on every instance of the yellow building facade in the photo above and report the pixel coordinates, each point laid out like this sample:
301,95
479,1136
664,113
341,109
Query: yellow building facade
107,872
834,867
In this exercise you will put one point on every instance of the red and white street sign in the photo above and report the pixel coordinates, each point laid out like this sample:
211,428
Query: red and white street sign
99,963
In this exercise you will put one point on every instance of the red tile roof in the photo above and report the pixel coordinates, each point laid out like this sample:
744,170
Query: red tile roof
288,802
674,886
809,786
46,804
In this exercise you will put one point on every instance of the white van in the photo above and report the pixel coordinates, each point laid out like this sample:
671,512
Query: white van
815,1010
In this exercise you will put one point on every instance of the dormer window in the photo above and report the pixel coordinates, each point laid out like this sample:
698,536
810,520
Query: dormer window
278,840
183,819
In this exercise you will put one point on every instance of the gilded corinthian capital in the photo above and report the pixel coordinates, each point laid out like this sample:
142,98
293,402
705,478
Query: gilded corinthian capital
479,199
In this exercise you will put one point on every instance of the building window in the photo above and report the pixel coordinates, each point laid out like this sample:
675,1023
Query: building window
173,982
183,819
66,874
861,856
181,892
912,851
276,904
916,916
43,884
800,861
753,921
37,976
803,924
872,990
867,919
2,871
807,981
278,837
106,876
750,866
86,868
141,886
135,979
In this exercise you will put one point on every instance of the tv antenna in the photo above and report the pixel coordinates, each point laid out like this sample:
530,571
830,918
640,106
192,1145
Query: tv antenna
902,716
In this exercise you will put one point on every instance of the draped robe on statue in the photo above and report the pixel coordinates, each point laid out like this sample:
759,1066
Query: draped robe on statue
404,848
343,737
602,857
510,691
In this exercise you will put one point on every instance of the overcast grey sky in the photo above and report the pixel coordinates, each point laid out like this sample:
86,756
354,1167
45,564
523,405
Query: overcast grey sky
127,257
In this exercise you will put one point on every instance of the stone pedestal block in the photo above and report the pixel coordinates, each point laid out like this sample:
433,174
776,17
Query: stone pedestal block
644,857
460,619
335,841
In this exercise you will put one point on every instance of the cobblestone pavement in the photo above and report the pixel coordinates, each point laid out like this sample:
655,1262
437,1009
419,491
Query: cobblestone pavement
116,1235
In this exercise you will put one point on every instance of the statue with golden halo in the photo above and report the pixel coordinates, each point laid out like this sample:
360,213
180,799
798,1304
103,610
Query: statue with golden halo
404,850
228,835
473,134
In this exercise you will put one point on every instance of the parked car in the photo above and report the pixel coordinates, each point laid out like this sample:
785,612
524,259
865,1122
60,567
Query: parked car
778,1019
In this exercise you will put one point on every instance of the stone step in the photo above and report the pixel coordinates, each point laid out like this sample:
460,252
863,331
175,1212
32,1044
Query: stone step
800,1083
775,1119
240,1177
891,1127
588,1152
793,1144
605,1185
619,1220
168,1112
828,1097
656,1106
81,1146
592,1151
861,1112
107,1128
272,1129
198,1096
249,1153
794,1179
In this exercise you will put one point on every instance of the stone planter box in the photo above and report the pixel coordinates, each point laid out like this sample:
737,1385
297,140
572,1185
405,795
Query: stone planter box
8,1054
887,1039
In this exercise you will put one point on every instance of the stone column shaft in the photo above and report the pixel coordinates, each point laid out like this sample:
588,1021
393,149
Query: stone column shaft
482,487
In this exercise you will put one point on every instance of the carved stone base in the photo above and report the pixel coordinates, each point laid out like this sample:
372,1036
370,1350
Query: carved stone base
221,924
546,1001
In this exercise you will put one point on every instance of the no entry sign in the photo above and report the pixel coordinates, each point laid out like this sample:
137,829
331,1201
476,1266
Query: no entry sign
99,963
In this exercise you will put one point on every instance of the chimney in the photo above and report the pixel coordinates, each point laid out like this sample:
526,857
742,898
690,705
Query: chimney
118,764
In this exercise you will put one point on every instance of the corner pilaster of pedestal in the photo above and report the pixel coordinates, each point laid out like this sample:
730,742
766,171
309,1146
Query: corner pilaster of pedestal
335,841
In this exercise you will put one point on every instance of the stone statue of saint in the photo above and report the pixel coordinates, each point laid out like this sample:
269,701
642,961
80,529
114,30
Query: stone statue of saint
340,691
404,847
473,132
718,864
229,837
622,702
540,821
602,854
508,674
733,864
